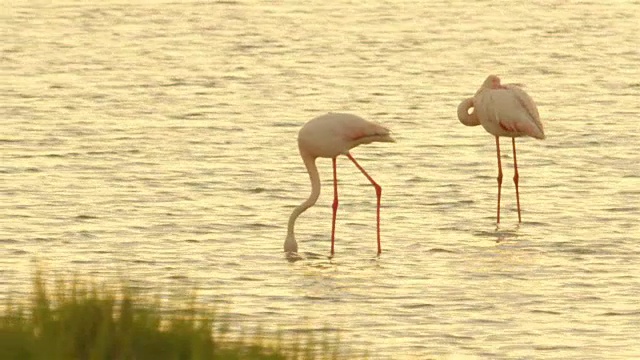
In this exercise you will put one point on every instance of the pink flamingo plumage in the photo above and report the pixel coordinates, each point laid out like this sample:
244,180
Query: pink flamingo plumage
329,136
503,110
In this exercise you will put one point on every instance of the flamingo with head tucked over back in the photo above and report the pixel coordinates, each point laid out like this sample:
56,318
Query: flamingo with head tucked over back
503,110
329,136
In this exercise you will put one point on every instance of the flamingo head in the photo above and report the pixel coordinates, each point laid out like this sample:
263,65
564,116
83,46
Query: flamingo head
290,244
492,82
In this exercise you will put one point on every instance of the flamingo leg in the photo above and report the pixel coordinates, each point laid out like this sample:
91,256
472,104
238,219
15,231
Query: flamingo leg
499,176
335,205
378,195
516,177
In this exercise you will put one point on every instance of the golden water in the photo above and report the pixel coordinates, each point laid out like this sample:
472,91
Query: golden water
156,140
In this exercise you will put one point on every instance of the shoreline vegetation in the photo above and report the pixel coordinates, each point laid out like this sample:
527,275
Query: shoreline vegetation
80,320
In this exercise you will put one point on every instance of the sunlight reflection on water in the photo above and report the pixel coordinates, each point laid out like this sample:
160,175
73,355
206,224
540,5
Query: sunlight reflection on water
157,141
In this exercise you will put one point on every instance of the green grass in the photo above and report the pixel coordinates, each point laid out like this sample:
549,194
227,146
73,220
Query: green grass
79,321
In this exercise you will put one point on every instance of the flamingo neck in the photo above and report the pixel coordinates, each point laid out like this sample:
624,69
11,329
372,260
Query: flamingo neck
463,113
290,244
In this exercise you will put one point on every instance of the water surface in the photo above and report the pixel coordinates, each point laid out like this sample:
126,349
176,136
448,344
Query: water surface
156,140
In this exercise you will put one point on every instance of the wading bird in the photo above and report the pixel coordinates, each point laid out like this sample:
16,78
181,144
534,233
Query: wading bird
503,110
329,136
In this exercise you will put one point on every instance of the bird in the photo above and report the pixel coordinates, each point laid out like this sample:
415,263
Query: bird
503,110
329,136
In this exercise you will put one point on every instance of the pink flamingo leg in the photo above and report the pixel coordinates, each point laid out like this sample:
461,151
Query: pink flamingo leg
499,176
516,177
335,205
378,195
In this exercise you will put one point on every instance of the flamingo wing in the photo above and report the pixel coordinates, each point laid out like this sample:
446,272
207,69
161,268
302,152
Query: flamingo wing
359,131
514,111
527,102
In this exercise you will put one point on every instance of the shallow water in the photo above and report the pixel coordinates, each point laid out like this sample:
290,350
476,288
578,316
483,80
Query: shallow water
157,141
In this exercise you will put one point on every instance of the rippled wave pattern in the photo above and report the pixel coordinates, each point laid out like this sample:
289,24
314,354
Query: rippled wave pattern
157,141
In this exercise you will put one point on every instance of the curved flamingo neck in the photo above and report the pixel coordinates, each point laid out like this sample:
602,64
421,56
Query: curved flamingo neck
290,244
463,113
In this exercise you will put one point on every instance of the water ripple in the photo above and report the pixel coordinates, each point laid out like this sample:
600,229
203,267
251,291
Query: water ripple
142,149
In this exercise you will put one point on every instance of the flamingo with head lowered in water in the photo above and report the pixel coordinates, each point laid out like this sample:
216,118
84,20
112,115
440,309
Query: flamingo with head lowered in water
503,110
329,136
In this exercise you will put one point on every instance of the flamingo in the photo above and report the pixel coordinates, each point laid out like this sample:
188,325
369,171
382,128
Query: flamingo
503,110
329,136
